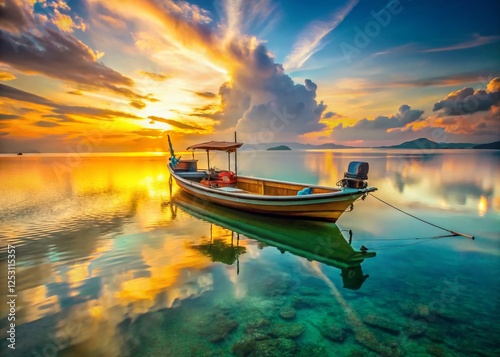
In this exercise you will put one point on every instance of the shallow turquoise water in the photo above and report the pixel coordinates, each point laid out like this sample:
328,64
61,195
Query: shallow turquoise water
108,265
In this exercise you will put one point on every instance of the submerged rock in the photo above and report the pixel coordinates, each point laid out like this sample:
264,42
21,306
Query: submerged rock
382,323
415,310
243,347
311,350
287,330
259,324
415,328
367,339
218,327
287,312
280,347
332,332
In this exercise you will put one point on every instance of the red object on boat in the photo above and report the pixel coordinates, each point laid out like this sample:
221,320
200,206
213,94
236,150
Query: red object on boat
222,178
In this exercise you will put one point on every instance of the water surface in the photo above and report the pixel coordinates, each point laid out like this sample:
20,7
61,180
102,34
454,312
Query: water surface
108,265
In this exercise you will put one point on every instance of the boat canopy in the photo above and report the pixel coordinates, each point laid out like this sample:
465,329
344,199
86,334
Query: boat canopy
217,145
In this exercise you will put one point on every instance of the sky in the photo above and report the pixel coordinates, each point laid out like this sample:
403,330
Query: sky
119,75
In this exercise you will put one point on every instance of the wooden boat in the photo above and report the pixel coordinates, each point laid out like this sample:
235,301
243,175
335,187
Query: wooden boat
266,196
315,241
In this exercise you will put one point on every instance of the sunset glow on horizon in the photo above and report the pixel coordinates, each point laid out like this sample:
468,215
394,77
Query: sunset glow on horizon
118,75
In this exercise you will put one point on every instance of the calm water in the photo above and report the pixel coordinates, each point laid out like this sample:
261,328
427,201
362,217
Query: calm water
107,264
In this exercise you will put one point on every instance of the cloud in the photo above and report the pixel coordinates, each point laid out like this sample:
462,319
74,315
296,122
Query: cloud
65,22
329,115
46,124
256,83
261,97
62,118
149,132
14,17
175,123
440,81
208,95
476,42
155,76
242,15
9,116
112,21
44,50
310,40
137,104
6,76
99,113
379,128
17,94
467,100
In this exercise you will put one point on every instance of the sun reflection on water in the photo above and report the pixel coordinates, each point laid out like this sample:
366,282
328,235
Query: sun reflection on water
482,206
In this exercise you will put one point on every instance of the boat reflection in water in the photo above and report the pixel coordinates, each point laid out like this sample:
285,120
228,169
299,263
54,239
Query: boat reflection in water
315,241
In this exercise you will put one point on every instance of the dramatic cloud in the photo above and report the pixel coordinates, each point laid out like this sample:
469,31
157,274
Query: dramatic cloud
98,113
310,40
467,100
42,49
378,128
17,94
14,17
265,99
257,90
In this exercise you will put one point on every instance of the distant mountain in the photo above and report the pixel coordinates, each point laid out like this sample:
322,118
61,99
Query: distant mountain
279,147
423,143
293,146
494,146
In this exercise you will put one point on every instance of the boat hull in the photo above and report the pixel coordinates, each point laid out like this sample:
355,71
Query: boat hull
318,241
327,206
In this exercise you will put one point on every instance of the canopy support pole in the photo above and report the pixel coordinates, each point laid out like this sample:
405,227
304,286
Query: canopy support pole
208,160
235,157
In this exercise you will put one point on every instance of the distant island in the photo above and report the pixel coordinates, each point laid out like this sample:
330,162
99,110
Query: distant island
293,146
421,143
279,147
494,146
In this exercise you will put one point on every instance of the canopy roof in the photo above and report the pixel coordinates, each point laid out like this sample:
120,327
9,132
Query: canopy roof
217,145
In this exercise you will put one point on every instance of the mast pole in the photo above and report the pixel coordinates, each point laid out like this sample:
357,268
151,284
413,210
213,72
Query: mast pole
235,157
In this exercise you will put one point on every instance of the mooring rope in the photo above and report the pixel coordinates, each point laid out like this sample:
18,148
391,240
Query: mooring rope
453,233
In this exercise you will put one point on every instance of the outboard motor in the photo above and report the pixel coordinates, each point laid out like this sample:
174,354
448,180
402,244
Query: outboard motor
357,173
